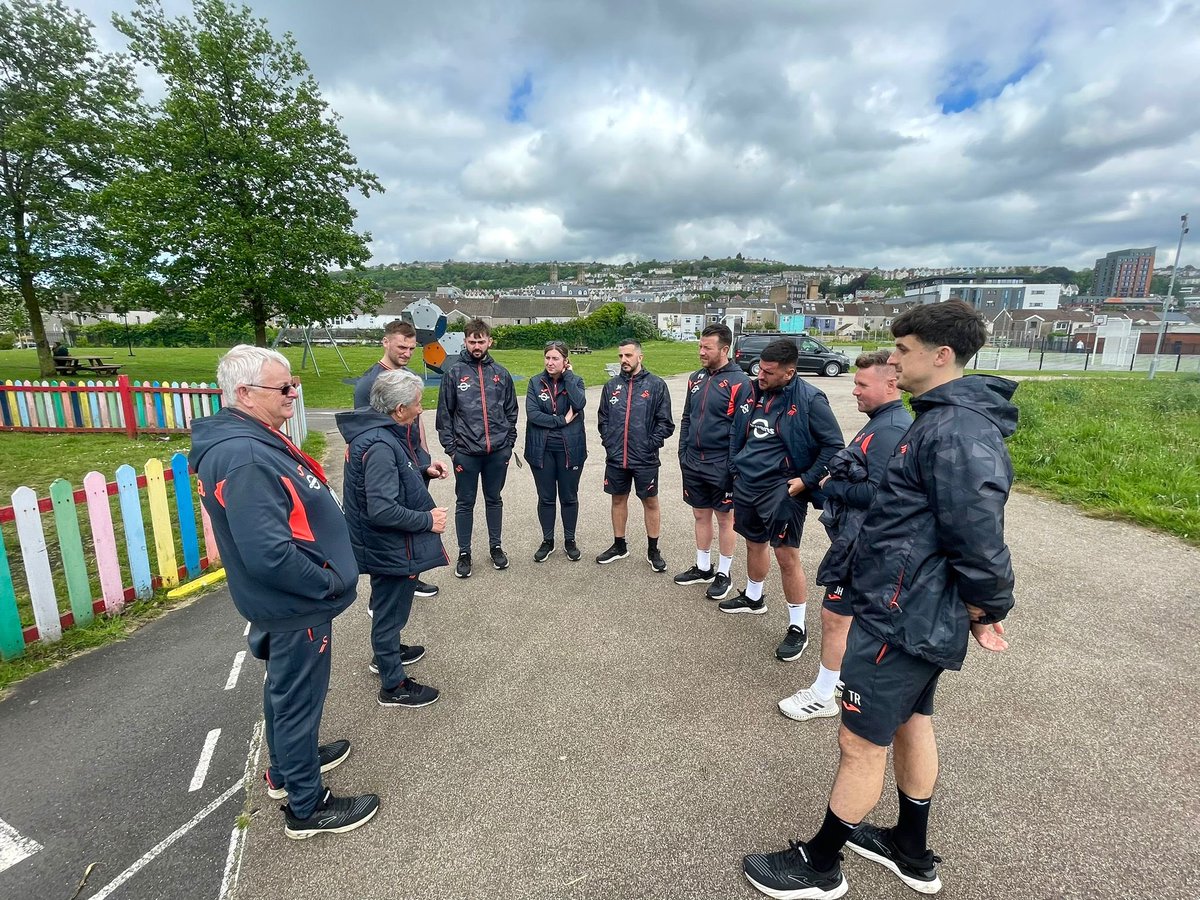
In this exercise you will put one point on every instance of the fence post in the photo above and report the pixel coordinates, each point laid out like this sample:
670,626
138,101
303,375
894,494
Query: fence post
1178,359
1086,356
1042,357
126,395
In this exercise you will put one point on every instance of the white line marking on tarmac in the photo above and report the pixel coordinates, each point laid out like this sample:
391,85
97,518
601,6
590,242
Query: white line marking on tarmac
206,755
166,842
246,633
233,860
234,837
231,681
14,846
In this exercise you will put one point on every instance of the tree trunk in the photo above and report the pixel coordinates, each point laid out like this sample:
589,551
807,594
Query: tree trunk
36,327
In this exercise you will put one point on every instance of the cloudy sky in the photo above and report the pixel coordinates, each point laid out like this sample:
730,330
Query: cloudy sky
885,133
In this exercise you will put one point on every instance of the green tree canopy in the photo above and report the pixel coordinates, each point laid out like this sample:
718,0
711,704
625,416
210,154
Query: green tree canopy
62,107
238,203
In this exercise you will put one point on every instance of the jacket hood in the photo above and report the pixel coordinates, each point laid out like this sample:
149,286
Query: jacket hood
227,425
987,395
354,422
464,355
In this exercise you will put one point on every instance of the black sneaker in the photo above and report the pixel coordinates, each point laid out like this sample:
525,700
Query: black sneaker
542,553
789,875
333,815
499,559
463,569
876,844
743,604
793,644
330,756
571,549
612,554
424,589
720,587
657,563
408,693
408,656
695,575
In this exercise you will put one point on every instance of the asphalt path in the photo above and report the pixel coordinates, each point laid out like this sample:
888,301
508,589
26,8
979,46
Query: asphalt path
100,756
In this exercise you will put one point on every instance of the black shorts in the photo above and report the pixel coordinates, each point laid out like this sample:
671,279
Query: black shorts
783,529
707,490
884,687
837,599
617,481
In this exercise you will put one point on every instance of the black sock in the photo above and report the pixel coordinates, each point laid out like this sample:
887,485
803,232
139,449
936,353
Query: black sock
912,828
651,544
824,846
619,543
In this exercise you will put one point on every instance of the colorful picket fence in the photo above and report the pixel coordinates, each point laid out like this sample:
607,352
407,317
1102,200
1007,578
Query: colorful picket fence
121,406
174,512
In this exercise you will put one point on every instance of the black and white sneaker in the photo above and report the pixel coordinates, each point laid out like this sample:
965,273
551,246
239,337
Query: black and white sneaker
720,587
695,575
463,569
333,815
542,553
788,875
612,554
408,693
408,656
499,558
571,549
657,563
876,844
743,604
792,645
330,756
424,589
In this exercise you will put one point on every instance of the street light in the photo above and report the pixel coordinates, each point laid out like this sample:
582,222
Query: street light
1162,326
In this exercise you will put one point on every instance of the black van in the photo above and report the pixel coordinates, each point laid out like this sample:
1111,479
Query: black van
814,356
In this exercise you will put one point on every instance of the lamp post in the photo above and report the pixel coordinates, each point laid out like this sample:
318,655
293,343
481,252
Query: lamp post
1162,326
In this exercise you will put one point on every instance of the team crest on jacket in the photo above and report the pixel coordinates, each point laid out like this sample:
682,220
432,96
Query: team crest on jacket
464,383
543,396
645,394
761,428
745,407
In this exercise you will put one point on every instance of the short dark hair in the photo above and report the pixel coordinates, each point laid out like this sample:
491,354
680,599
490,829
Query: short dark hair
477,328
399,326
628,341
952,324
780,351
560,346
723,334
873,358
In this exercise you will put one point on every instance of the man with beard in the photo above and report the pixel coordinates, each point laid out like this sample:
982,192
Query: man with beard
477,425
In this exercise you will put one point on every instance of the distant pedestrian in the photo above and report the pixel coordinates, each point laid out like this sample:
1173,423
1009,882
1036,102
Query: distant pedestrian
399,343
394,525
634,421
556,446
477,425
937,572
291,568
714,392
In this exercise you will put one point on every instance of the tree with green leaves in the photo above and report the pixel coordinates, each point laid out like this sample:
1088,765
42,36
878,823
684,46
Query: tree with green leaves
63,105
238,201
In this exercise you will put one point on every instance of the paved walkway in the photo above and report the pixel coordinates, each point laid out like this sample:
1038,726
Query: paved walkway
603,733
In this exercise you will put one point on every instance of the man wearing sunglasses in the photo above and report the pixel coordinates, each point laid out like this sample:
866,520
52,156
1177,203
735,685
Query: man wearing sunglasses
291,568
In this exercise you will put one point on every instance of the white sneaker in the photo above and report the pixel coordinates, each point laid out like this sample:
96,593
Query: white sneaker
804,705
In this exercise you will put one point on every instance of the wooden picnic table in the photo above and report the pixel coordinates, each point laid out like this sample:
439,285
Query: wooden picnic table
582,348
73,365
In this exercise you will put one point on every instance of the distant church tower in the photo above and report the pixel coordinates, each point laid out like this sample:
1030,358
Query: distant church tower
579,279
554,273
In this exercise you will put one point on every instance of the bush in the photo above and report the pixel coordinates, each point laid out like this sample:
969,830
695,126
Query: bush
606,327
7,340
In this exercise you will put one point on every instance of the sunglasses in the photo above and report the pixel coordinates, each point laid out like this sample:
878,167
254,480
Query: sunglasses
283,389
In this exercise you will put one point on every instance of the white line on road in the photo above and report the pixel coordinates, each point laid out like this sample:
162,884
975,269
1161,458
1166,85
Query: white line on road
166,842
231,681
233,859
14,846
210,744
247,631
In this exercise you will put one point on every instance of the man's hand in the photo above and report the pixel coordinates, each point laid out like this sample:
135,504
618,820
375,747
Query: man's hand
989,637
570,416
437,470
439,519
796,487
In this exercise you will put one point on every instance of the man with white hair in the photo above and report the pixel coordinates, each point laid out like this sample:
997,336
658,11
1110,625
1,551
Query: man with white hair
291,569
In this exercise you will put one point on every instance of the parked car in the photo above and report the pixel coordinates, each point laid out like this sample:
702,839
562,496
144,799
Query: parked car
814,356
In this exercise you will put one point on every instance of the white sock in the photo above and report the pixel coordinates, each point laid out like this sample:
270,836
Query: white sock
703,560
827,680
754,589
724,564
796,614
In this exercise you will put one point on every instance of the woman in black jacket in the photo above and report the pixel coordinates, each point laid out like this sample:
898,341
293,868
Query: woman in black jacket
555,446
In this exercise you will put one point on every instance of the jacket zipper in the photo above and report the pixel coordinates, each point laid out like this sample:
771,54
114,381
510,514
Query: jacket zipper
894,603
628,410
487,434
703,409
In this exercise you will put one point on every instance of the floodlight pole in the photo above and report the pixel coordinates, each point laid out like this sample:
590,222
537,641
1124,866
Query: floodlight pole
1162,326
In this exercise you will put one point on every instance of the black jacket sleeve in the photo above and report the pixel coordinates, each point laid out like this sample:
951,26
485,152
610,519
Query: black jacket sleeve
510,409
447,403
826,434
385,501
576,391
535,416
685,420
663,426
860,494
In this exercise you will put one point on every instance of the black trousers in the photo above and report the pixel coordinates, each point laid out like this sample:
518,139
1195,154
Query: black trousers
469,471
554,477
391,603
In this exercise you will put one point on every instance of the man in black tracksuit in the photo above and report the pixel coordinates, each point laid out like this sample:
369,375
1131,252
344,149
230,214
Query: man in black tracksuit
849,489
634,421
477,425
931,568
291,569
780,446
714,393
